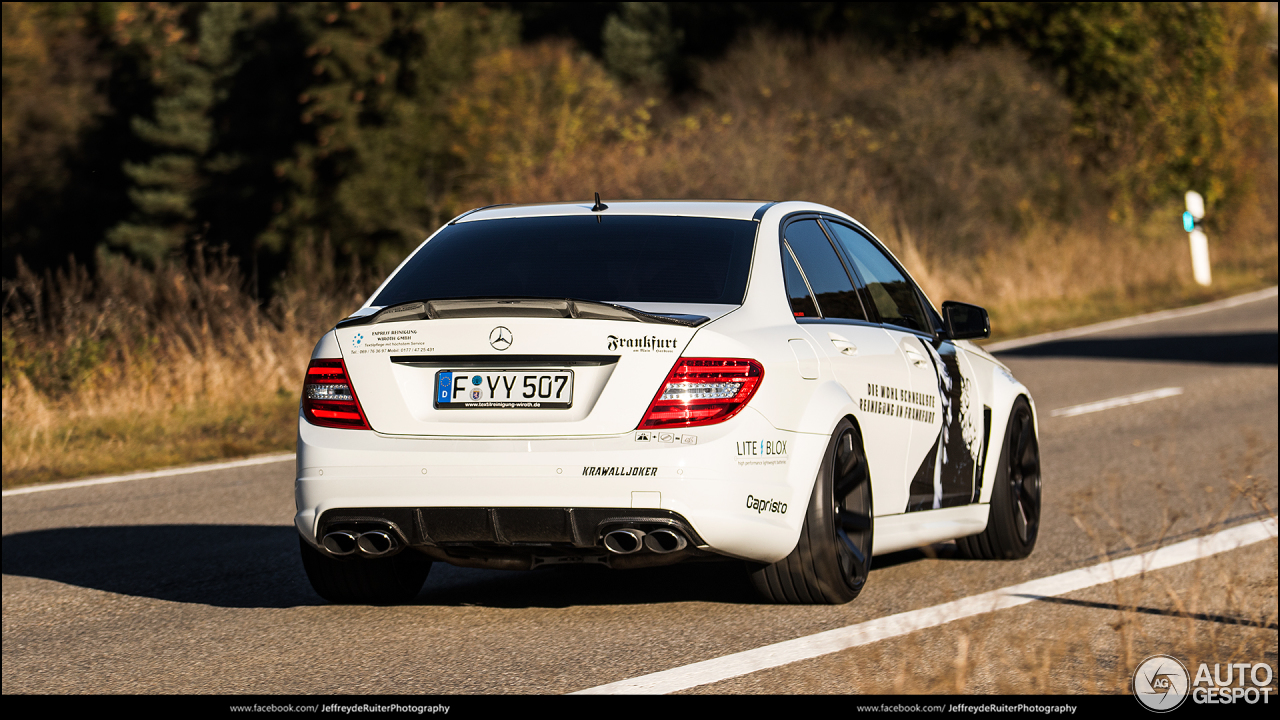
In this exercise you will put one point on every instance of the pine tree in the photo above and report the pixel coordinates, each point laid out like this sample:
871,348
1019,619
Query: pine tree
187,74
377,171
639,43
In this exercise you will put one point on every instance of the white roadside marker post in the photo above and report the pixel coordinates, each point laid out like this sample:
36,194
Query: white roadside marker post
1199,242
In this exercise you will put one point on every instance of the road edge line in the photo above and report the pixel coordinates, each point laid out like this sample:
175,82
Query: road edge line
825,643
168,472
1133,320
1117,402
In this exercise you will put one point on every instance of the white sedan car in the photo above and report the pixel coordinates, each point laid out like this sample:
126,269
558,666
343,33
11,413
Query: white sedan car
646,383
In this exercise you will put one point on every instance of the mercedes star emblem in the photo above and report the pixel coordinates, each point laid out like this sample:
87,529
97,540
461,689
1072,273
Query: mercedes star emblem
501,338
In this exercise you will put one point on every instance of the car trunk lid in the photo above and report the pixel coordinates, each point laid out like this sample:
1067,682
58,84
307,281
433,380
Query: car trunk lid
515,354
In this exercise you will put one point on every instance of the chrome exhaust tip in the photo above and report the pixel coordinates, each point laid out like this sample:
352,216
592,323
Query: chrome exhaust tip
663,541
624,541
342,542
375,543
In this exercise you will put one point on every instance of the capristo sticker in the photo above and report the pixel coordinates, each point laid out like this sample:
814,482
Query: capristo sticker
761,505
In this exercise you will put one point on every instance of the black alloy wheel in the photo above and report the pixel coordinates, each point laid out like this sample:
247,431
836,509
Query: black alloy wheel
1024,476
851,516
1014,520
832,558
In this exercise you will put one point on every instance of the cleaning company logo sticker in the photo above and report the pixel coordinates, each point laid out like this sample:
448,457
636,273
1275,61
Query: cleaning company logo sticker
1160,683
382,341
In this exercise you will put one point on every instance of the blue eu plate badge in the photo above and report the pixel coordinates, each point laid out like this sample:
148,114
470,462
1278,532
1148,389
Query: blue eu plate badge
446,386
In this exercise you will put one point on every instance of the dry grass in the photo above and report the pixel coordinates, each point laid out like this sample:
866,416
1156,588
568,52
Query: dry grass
1220,609
135,369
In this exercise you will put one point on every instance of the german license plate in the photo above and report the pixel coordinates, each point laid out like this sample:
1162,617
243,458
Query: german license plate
504,389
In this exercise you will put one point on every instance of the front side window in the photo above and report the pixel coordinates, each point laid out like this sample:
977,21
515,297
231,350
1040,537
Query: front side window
892,293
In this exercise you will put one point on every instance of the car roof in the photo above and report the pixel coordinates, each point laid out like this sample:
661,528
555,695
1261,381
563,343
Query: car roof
727,209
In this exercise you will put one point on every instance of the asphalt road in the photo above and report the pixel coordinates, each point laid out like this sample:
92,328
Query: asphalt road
192,584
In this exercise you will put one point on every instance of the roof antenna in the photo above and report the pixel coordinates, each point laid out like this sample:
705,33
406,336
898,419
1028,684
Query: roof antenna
599,205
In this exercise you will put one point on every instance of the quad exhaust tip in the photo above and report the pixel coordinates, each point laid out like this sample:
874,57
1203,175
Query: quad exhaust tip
624,541
374,543
664,541
629,540
342,542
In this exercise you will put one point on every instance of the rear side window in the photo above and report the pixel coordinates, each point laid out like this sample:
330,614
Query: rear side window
826,274
797,291
894,295
606,259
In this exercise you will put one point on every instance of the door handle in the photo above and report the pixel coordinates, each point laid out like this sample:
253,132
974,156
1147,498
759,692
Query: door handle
842,344
916,358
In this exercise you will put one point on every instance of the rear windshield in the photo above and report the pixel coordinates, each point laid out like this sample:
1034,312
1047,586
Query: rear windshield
615,259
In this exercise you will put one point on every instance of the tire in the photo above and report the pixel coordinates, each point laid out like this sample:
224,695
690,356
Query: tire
365,581
830,562
1014,520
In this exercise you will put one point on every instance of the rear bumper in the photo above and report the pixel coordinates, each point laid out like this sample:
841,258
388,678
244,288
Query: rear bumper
519,538
740,488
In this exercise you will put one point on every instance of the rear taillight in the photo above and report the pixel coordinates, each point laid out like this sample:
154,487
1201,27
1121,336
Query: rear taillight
328,399
703,391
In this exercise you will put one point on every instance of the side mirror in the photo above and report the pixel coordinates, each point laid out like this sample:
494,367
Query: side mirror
964,321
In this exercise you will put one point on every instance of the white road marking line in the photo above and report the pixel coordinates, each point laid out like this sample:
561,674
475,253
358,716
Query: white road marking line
170,472
1116,402
805,648
1130,321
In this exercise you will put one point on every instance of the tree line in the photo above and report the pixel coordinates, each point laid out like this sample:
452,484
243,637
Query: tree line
145,130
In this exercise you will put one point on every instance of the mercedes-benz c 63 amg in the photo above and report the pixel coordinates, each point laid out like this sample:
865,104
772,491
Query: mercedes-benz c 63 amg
646,383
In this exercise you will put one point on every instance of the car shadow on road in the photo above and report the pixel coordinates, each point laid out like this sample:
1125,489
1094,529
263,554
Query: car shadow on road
221,565
1258,348
937,551
554,587
1204,617
255,566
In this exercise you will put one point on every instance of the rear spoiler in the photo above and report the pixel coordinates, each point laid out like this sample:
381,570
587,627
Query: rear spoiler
518,307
